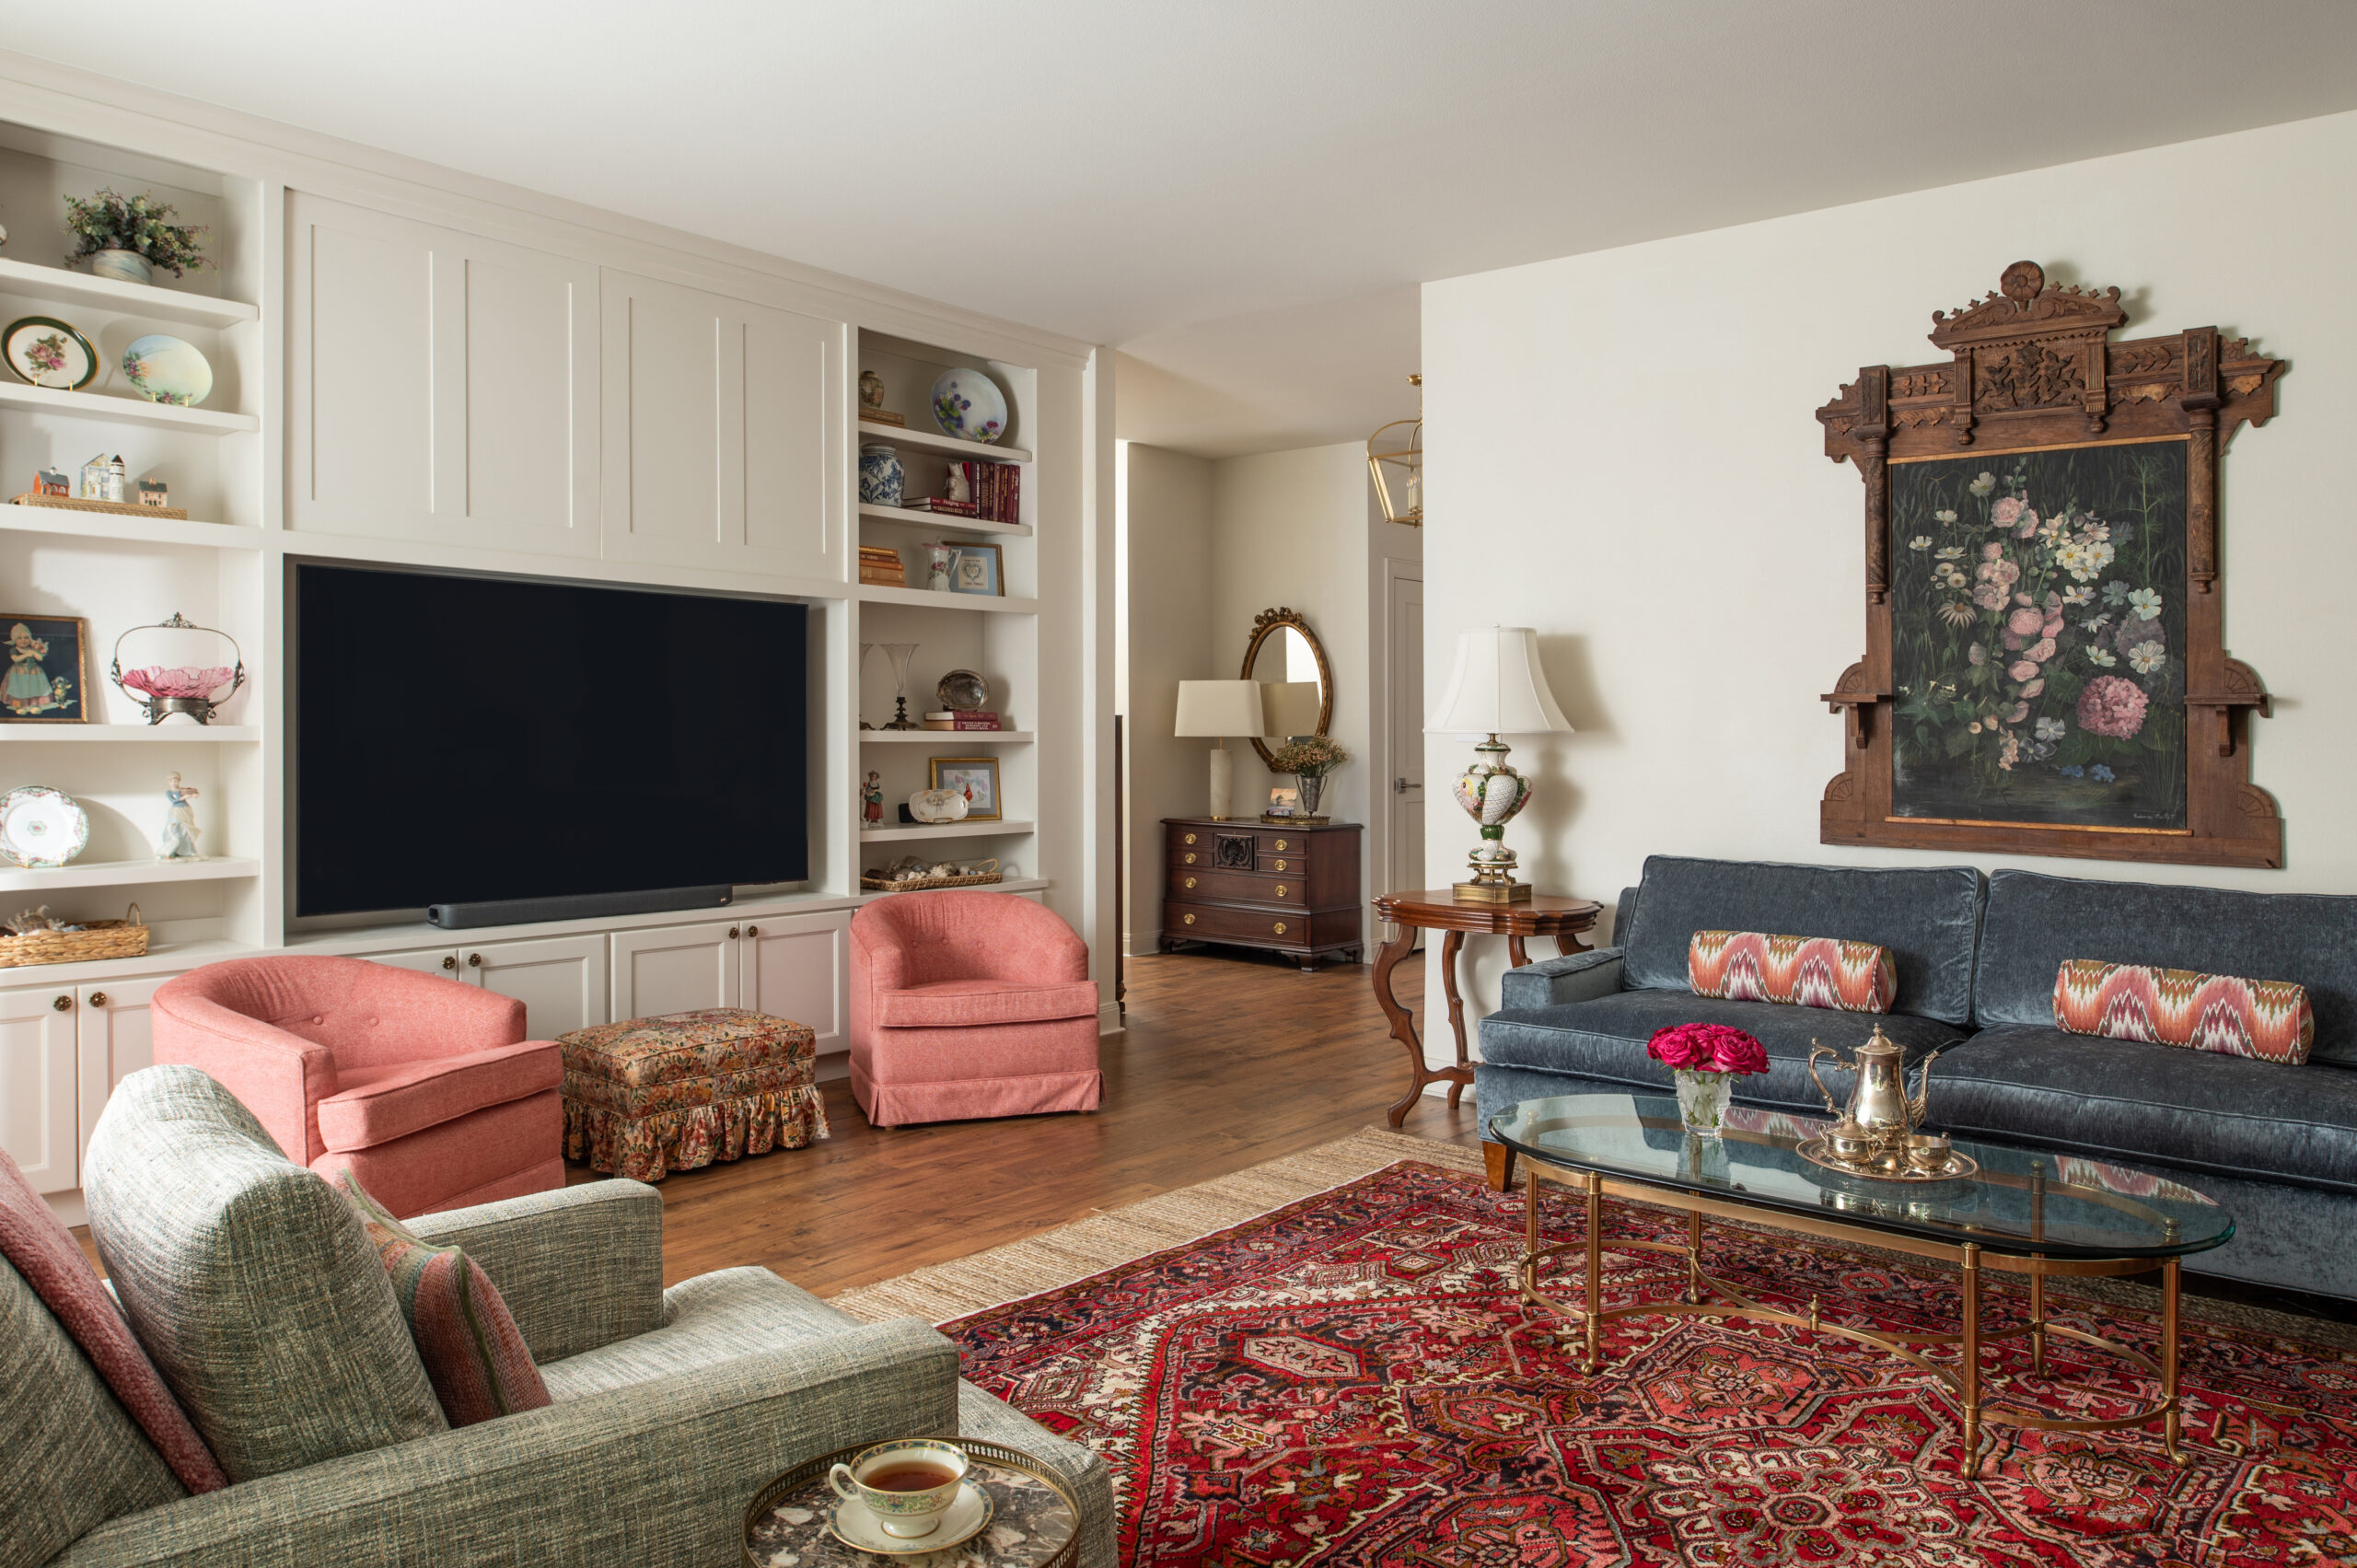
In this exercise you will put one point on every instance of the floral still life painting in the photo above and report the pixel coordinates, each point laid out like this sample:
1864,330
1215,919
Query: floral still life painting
2037,637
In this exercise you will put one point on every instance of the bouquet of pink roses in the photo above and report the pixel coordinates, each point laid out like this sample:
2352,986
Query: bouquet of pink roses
1707,1048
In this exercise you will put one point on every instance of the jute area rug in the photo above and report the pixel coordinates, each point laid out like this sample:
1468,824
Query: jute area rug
1324,1361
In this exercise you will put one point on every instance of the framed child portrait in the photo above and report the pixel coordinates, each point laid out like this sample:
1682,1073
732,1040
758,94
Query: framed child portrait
978,569
48,671
976,778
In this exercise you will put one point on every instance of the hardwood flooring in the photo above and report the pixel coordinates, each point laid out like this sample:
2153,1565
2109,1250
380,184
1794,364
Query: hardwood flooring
1226,1061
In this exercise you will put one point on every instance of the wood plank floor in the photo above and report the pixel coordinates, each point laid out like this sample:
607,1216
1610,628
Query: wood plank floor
1226,1061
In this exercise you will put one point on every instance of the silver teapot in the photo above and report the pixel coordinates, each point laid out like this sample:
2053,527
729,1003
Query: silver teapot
1880,1110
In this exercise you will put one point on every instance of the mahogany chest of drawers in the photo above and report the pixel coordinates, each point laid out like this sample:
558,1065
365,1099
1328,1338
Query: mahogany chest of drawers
1250,884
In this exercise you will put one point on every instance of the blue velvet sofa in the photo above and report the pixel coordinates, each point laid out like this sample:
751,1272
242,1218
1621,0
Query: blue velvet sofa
1976,959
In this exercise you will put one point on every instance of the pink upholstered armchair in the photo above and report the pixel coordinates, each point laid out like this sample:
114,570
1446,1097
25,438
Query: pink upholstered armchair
424,1087
967,1005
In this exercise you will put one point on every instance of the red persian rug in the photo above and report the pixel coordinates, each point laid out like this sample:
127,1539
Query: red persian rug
1353,1380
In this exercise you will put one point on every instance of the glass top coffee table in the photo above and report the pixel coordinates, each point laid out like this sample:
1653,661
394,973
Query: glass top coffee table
2024,1212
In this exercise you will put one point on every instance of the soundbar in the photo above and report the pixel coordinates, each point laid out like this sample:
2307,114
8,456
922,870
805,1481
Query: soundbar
576,906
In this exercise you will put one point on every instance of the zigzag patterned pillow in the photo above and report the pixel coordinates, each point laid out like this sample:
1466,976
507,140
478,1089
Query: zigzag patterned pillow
1807,971
2268,1020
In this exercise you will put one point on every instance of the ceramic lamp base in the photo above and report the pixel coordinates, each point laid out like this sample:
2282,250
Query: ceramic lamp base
1223,784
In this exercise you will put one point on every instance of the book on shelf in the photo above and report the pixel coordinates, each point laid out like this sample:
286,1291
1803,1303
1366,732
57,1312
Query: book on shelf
976,719
882,567
996,489
940,506
880,416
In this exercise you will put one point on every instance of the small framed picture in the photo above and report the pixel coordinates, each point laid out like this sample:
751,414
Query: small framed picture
1283,801
976,778
978,569
48,671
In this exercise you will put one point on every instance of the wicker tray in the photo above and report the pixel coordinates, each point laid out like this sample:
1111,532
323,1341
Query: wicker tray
99,939
115,508
918,884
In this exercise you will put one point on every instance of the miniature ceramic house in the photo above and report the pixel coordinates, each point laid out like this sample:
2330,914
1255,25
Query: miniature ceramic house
155,492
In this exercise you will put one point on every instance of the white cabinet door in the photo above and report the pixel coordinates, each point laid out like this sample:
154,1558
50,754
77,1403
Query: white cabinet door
724,432
443,961
675,969
442,387
38,1126
794,968
116,1035
560,980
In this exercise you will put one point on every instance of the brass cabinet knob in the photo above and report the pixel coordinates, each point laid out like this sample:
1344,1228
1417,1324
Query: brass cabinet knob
1280,890
1187,919
1281,844
98,999
450,960
732,933
1280,866
1191,838
1190,881
63,1004
474,960
1190,860
1280,928
752,931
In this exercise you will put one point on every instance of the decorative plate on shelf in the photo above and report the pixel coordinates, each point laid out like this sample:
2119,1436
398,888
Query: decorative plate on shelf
962,691
164,369
42,827
48,353
969,405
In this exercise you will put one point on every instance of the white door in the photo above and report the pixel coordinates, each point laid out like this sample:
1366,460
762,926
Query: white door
443,961
675,969
115,1036
724,432
1405,677
37,1121
560,980
442,386
794,968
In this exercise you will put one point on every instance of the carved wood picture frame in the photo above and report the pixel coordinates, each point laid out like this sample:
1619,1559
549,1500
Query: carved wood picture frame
2032,376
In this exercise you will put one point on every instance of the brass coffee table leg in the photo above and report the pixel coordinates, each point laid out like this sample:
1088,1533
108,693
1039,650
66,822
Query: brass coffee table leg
1595,1271
2171,1422
2038,1319
1971,1368
1694,1259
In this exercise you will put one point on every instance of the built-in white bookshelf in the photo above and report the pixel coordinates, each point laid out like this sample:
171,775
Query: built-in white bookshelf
940,738
911,834
126,873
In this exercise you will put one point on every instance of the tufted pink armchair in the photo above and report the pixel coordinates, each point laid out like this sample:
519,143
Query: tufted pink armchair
967,1005
424,1087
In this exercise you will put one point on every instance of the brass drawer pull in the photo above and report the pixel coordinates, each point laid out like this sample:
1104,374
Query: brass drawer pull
98,999
63,1004
1191,838
1280,890
449,960
1190,881
752,931
1280,866
474,960
1190,860
1280,928
1281,845
1188,919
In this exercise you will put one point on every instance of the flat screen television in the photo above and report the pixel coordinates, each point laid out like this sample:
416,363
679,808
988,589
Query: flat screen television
460,738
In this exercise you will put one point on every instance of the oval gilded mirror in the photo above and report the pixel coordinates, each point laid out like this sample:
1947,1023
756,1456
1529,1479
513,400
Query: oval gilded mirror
1286,655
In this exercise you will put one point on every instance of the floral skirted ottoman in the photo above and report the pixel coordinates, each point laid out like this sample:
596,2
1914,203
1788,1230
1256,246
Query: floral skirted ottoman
658,1095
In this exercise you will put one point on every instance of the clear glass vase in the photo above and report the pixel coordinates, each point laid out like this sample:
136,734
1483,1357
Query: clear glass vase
1702,1099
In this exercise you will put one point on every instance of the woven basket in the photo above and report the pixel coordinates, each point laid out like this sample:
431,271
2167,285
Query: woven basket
99,939
918,885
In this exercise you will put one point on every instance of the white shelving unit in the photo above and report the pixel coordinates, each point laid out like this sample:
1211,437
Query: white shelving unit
127,411
940,521
928,441
126,874
927,598
942,830
130,528
171,732
937,739
145,300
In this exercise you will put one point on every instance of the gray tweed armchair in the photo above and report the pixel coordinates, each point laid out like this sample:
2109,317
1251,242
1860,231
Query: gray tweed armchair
260,1299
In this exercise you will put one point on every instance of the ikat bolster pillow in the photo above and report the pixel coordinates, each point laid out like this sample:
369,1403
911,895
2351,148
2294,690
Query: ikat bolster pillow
1807,971
474,1355
2268,1020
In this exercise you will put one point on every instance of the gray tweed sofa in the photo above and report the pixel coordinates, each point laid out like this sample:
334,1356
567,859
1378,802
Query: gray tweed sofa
1976,959
256,1294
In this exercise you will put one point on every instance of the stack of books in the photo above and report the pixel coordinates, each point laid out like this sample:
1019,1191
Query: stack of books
941,506
868,415
996,489
881,566
974,718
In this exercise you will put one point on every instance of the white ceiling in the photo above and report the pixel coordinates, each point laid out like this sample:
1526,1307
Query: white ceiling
1115,171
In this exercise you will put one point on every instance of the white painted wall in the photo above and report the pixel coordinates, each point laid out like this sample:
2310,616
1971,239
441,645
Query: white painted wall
1622,453
1165,637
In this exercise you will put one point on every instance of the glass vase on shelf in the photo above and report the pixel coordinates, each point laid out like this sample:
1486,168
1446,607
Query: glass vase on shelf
900,654
865,649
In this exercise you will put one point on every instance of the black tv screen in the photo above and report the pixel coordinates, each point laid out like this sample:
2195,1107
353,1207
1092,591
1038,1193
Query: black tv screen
460,738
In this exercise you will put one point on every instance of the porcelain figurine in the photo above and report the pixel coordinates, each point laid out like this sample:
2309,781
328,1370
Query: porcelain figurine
938,558
882,479
178,840
871,809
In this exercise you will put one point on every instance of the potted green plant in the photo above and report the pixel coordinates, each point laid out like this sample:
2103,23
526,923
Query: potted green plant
127,237
1310,759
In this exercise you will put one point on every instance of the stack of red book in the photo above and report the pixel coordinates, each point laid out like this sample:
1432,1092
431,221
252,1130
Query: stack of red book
996,489
976,718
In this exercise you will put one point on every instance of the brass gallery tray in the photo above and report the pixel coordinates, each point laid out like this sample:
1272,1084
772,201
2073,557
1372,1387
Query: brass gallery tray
1959,1165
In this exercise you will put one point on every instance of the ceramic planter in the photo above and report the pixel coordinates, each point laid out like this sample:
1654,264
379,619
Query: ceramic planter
882,479
124,266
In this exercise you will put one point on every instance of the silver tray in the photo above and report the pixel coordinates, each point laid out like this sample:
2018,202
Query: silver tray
1959,1165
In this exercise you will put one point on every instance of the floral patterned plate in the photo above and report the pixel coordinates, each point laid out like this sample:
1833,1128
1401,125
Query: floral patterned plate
40,827
163,369
969,405
48,353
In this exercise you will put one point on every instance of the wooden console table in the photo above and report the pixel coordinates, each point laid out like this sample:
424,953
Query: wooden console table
1435,909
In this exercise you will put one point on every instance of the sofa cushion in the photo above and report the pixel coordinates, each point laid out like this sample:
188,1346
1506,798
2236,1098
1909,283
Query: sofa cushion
1928,917
2124,1100
2267,1019
954,1003
373,1105
2036,922
474,1354
1799,972
710,1317
1605,1040
249,1281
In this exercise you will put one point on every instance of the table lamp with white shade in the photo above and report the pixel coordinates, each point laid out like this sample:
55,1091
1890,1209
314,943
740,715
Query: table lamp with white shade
1497,688
1220,709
